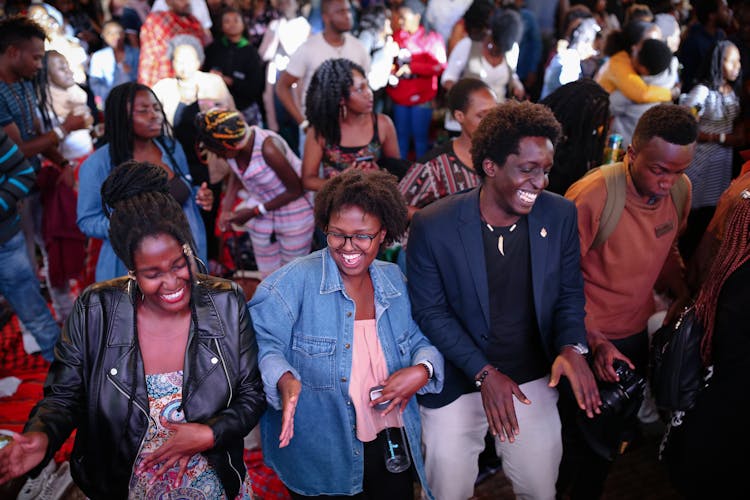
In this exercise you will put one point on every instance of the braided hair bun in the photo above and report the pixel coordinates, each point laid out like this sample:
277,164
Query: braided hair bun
138,204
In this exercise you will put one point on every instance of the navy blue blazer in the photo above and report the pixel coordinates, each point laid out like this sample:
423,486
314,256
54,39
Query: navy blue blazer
449,291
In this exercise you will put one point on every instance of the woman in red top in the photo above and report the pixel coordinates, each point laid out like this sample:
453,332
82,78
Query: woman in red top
414,79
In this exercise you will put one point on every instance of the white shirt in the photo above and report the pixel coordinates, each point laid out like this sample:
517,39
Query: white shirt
316,50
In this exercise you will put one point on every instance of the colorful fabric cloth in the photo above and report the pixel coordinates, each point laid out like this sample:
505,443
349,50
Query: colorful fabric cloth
338,158
159,28
200,480
437,175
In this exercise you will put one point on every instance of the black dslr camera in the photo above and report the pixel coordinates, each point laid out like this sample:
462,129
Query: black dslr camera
617,396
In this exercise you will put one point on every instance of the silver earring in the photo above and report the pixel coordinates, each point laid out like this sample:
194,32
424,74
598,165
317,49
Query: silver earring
187,250
131,281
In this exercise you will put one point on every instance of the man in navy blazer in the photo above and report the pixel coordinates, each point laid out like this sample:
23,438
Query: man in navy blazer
495,283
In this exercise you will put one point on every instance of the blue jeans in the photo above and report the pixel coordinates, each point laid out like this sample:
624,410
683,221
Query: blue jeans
20,286
412,122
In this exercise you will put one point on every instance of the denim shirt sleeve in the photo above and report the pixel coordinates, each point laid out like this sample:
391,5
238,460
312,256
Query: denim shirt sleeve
273,321
90,214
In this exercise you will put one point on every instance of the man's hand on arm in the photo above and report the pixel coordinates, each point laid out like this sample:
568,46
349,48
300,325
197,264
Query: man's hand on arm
497,398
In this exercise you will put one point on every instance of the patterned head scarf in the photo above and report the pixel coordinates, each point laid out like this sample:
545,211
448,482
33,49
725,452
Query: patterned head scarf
220,130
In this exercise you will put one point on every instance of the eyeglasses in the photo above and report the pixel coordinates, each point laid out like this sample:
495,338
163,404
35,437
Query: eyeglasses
361,241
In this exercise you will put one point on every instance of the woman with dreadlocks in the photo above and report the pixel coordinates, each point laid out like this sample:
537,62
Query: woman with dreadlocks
157,370
714,433
582,108
344,131
265,170
136,129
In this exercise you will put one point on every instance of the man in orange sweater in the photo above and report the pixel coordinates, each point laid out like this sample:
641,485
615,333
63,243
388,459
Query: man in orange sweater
620,273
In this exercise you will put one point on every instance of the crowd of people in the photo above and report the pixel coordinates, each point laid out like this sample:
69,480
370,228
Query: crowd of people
467,218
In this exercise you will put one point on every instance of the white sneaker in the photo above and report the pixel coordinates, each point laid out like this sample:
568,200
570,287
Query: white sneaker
33,487
58,483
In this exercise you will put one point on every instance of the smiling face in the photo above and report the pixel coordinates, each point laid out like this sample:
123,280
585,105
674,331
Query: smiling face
656,166
512,189
162,274
355,256
360,95
147,115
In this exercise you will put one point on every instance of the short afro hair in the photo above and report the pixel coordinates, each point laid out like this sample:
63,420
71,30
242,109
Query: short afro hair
374,191
18,29
673,123
501,130
655,56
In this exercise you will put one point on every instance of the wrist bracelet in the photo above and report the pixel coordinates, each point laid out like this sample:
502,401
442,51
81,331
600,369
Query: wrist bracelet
262,209
478,382
426,369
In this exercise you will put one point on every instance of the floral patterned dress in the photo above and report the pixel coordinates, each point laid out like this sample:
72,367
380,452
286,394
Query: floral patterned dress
200,480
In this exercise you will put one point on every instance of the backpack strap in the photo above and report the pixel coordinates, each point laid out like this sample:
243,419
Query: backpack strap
616,181
679,193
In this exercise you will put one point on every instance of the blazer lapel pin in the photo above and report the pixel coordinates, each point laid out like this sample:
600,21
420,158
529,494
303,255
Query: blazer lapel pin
543,232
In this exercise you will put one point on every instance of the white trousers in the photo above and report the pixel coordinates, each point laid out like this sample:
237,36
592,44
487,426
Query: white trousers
453,438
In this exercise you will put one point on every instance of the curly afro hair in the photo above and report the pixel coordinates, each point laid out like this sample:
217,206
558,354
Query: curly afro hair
673,123
374,191
502,128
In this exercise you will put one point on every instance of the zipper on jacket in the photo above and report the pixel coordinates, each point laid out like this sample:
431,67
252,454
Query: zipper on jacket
226,373
143,437
239,476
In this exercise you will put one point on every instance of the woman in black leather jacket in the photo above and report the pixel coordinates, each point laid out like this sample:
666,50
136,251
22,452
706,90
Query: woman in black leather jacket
157,370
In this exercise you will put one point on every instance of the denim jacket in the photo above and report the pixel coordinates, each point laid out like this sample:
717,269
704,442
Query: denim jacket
304,322
93,222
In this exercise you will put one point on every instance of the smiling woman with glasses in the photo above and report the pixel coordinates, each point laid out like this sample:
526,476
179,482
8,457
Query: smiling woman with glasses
332,326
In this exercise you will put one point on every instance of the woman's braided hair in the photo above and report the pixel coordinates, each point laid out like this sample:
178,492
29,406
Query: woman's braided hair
733,253
138,203
327,94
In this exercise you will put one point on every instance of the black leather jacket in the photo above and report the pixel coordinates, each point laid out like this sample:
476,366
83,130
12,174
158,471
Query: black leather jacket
98,368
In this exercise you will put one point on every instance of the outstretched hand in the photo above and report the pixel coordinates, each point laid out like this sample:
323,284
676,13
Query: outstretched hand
289,387
187,440
498,391
25,452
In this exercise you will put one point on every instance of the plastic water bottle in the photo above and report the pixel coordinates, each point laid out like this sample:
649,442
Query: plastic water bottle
612,149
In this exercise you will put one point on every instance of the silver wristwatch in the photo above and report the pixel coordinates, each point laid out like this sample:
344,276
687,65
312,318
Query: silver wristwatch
581,349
